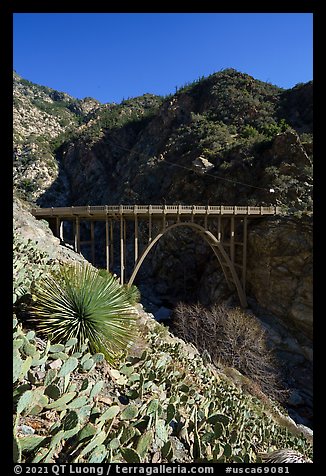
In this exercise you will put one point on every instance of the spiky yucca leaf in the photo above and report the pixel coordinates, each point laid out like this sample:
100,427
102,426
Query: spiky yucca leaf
78,302
133,293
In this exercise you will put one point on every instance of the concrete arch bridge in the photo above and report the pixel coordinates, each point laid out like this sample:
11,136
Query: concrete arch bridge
224,228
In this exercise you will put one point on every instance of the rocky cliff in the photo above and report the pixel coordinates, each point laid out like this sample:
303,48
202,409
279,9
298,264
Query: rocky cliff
224,139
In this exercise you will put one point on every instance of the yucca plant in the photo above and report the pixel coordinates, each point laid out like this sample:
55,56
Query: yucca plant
77,302
133,293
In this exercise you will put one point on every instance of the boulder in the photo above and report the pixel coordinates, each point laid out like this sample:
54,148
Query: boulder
202,165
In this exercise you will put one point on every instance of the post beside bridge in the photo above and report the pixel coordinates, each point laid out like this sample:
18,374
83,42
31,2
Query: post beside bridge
224,228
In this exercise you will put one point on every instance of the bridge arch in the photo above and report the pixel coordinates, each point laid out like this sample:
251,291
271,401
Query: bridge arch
216,246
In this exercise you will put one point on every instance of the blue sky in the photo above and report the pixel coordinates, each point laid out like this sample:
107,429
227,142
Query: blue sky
114,56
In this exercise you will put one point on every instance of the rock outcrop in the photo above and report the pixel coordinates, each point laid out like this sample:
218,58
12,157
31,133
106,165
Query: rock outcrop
280,270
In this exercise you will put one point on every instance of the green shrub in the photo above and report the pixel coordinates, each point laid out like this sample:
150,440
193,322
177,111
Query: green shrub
28,185
249,131
272,129
77,302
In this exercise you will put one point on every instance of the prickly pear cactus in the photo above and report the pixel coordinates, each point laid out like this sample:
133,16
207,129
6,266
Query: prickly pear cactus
29,263
161,406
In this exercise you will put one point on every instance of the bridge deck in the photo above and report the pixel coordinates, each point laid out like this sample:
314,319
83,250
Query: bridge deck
103,211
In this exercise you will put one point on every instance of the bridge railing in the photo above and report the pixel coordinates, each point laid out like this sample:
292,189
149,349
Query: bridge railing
101,210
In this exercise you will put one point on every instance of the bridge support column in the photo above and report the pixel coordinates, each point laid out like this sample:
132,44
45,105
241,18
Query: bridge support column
136,238
206,218
244,253
232,240
57,222
179,213
111,244
122,247
61,230
92,243
150,224
219,227
125,243
164,219
193,214
77,235
107,244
